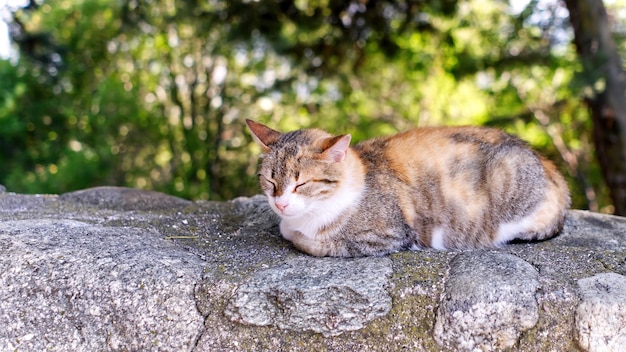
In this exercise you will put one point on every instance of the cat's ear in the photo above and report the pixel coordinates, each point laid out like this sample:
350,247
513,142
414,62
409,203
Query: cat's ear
336,148
263,135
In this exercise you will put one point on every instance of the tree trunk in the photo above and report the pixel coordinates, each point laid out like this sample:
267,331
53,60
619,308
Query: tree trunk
604,73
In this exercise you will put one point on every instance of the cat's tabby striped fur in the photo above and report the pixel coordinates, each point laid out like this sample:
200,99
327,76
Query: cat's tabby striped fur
440,187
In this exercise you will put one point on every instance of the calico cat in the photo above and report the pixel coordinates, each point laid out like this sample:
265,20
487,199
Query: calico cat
439,187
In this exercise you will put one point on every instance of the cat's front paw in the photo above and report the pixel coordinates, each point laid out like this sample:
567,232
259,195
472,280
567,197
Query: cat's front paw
307,245
287,233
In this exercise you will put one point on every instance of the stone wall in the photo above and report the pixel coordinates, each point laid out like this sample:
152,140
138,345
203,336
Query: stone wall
122,269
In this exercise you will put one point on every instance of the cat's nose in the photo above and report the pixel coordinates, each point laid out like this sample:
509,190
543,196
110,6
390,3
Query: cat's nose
281,206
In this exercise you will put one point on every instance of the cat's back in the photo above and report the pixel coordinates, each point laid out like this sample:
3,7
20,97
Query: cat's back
438,147
465,182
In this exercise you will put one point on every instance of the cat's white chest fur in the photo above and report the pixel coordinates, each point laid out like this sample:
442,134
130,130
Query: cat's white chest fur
316,215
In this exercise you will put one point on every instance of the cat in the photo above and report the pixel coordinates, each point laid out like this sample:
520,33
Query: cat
439,187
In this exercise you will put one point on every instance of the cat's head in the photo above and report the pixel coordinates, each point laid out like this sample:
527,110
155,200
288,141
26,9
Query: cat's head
300,170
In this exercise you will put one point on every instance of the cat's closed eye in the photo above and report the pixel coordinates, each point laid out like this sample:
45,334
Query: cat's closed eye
300,185
268,182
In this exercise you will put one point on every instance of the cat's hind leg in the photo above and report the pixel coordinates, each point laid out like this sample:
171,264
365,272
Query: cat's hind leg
547,219
543,223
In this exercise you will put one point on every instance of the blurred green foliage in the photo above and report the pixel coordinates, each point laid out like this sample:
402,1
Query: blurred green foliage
153,94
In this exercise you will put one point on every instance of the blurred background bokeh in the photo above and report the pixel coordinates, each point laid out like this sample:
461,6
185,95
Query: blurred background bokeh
153,94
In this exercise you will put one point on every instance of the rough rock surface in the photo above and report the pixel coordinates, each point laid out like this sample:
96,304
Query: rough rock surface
121,269
339,296
472,315
601,313
87,287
